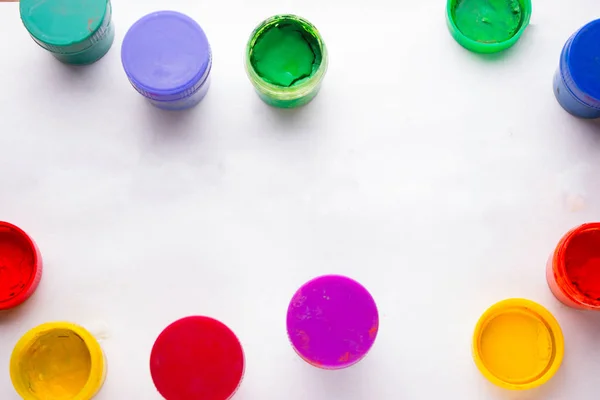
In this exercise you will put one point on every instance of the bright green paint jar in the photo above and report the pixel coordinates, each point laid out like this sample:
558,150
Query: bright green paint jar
286,61
487,26
73,31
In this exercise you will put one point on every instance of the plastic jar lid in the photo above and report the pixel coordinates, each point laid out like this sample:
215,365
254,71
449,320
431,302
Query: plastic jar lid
332,322
582,72
65,26
197,358
20,266
166,56
57,360
489,15
518,344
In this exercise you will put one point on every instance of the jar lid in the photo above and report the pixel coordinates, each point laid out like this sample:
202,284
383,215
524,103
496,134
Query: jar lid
197,358
20,266
65,26
482,26
166,55
518,344
582,61
332,322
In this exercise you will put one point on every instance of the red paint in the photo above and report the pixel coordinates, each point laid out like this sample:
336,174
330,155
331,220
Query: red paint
582,259
197,358
20,266
573,271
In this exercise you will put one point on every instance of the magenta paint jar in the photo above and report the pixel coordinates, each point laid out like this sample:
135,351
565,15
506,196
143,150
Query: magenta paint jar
332,322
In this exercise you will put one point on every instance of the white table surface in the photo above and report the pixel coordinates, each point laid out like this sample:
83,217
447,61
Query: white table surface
440,179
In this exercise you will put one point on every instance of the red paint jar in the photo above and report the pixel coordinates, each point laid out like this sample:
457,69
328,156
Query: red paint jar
197,358
573,269
20,266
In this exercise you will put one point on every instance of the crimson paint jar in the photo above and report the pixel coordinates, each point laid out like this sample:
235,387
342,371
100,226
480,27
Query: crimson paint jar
197,357
573,269
20,266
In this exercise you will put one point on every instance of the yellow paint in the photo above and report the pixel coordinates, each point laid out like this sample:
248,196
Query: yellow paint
518,344
57,361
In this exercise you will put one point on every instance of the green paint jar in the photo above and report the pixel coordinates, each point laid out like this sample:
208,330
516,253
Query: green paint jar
487,26
286,61
73,31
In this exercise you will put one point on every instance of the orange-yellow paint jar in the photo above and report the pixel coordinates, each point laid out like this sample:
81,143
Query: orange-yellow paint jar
57,361
518,344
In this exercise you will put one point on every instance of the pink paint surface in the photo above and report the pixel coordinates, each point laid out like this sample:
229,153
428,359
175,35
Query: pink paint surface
332,322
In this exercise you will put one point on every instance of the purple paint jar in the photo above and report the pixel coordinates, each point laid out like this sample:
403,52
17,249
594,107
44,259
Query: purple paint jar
332,322
167,59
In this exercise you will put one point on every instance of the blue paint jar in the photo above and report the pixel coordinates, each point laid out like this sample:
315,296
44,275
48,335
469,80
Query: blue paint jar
577,80
168,60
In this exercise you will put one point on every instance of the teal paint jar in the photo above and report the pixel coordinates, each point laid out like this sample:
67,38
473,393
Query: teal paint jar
74,31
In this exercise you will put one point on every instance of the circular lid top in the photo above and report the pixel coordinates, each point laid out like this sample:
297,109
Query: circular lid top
165,52
332,321
62,22
518,344
584,59
197,358
18,265
487,26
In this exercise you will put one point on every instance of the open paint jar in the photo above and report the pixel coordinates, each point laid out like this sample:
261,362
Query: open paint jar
168,60
20,266
286,61
58,361
487,26
197,358
332,322
73,31
518,344
577,80
573,269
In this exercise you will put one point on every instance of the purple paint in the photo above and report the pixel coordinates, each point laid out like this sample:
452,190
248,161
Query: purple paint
167,59
332,322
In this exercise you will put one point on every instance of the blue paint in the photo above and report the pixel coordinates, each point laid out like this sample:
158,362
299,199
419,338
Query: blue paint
577,80
168,60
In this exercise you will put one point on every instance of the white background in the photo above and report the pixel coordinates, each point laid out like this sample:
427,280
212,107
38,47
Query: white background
438,178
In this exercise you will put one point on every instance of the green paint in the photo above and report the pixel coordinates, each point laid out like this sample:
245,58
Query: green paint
74,31
286,61
488,21
285,54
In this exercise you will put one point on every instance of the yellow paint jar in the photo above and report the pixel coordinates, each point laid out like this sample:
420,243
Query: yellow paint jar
57,361
518,344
